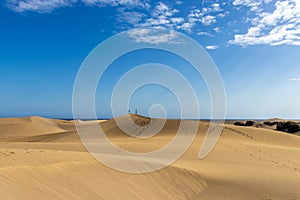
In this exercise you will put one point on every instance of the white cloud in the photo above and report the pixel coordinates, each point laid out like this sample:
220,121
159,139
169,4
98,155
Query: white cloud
208,20
197,16
130,17
294,79
39,6
178,2
130,3
205,34
215,7
152,28
280,26
217,29
255,5
212,47
163,10
187,26
47,6
165,16
162,15
154,35
177,20
221,15
137,13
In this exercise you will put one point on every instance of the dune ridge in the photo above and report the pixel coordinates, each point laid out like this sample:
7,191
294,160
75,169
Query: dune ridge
44,158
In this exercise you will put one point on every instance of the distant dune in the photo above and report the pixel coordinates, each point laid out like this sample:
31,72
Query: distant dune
43,158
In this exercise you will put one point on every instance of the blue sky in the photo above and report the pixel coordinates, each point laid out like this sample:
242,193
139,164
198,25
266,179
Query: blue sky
254,43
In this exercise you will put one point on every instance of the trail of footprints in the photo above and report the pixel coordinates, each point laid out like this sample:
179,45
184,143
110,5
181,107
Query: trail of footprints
267,157
239,132
13,157
141,129
263,155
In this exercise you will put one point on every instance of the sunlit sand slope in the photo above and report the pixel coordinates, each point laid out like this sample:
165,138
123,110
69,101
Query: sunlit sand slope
44,159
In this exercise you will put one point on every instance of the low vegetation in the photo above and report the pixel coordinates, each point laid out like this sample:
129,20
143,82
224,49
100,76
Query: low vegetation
247,123
289,127
270,123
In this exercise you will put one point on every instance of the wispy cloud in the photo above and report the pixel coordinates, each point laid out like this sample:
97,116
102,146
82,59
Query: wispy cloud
212,8
217,29
255,5
202,33
266,22
154,35
39,6
130,17
164,15
197,15
212,47
294,79
179,2
136,13
280,26
131,3
206,17
47,6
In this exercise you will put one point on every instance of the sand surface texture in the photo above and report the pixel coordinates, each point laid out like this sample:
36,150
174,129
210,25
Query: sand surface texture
44,159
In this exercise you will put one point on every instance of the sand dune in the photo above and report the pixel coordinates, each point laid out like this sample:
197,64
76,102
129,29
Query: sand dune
25,127
44,159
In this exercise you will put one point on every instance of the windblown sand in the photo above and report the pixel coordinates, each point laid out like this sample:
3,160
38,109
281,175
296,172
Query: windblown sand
44,159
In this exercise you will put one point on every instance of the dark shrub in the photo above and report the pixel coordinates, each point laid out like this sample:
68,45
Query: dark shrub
270,123
247,123
238,123
289,127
